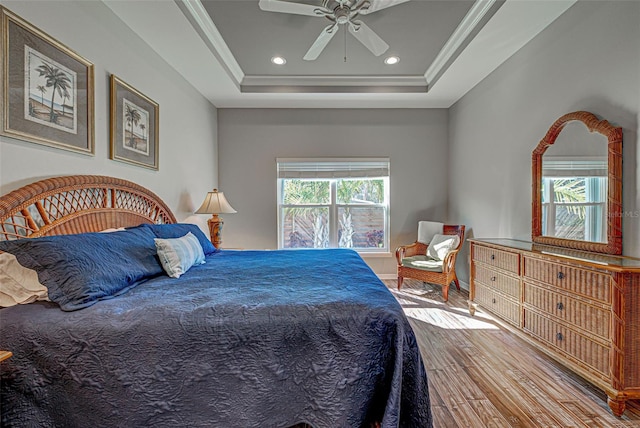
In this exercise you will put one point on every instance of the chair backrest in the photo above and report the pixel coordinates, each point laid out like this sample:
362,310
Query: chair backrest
454,229
428,229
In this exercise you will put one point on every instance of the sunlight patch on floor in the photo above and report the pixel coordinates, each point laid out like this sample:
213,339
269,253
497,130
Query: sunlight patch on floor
478,313
448,320
420,295
405,302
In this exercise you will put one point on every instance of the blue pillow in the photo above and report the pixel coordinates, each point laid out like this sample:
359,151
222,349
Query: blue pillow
178,230
79,270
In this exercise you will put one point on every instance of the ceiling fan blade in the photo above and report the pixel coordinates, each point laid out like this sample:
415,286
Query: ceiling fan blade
321,42
368,37
377,5
290,7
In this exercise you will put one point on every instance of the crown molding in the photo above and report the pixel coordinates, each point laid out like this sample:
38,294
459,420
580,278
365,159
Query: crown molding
196,13
476,17
473,21
335,84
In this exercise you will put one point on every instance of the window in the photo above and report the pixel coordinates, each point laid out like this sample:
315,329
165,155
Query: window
333,203
574,204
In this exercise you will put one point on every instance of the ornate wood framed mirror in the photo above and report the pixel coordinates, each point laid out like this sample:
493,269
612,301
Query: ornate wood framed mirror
577,185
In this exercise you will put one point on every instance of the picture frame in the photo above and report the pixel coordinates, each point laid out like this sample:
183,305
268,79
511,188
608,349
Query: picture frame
134,124
47,89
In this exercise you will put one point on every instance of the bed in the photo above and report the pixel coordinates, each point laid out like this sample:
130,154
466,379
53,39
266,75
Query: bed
247,339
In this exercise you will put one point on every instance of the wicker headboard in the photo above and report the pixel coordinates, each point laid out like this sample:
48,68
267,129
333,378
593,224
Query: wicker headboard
77,204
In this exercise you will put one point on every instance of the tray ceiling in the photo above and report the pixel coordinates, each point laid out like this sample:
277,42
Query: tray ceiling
224,49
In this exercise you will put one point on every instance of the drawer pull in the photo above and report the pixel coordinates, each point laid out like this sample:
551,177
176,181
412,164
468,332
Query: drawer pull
559,336
560,275
493,256
493,300
560,306
493,278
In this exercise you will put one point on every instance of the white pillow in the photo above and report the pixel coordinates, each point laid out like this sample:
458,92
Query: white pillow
440,246
18,285
113,229
179,254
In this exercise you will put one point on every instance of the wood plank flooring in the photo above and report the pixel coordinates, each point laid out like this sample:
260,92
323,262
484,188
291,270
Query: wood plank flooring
482,375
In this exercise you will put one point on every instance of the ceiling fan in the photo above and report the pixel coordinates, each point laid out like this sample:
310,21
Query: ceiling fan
339,12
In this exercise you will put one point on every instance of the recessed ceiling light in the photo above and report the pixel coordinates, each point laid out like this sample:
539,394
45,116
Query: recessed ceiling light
278,60
391,60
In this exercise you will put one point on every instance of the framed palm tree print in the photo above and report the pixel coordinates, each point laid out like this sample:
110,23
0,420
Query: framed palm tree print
134,125
47,88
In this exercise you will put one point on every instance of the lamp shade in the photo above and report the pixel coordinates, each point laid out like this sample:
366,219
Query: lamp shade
215,203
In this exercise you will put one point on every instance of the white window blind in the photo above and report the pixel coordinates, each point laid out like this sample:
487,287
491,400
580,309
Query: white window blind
575,168
333,168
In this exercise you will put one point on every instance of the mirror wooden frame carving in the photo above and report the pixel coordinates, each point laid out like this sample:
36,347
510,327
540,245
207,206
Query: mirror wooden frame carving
614,191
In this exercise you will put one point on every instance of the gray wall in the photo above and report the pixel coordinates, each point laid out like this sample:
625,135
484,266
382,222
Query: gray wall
588,59
188,123
250,140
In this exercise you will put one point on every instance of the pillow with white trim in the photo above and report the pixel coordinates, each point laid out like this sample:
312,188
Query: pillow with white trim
113,229
18,285
441,245
178,230
177,255
75,276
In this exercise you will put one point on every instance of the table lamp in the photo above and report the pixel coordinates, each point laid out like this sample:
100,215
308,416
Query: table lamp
215,203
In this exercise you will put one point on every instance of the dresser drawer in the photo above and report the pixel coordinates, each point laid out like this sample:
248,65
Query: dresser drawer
582,315
497,258
585,282
505,284
498,304
587,351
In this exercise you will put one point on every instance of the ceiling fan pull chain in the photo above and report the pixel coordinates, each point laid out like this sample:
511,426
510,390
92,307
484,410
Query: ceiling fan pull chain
345,44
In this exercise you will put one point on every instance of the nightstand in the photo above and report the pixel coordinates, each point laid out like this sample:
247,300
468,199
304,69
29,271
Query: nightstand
5,354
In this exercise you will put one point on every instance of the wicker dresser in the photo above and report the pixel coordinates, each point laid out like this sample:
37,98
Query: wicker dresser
581,308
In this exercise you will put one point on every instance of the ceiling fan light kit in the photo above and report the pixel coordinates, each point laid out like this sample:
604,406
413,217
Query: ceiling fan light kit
339,12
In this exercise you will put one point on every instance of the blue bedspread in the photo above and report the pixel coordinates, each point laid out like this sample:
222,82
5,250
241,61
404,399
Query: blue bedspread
249,339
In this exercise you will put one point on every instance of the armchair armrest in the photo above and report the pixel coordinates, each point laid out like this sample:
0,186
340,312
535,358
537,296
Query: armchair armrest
410,250
449,262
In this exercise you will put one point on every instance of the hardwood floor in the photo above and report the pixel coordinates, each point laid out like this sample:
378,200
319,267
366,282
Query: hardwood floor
481,375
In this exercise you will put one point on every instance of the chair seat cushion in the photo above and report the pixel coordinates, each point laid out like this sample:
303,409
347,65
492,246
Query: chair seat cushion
423,263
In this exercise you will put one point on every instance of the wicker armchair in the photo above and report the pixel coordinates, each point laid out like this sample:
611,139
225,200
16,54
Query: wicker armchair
442,275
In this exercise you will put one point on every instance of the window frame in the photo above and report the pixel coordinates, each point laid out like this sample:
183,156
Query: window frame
548,220
333,205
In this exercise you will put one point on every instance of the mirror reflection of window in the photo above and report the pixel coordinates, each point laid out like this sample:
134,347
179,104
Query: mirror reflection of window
577,168
574,198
